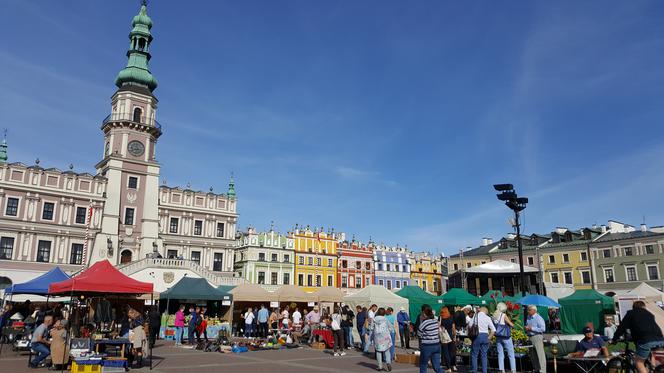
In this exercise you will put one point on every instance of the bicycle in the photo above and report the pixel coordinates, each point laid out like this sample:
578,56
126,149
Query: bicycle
625,362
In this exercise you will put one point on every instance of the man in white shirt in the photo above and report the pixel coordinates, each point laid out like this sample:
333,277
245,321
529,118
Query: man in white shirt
372,312
297,317
485,329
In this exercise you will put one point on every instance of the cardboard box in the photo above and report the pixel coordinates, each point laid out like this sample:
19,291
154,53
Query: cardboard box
407,359
318,346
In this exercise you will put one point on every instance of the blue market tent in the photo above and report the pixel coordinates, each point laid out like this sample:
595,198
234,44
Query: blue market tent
538,300
39,285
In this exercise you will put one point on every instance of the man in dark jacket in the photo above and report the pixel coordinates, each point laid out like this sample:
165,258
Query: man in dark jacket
191,327
361,318
155,323
646,334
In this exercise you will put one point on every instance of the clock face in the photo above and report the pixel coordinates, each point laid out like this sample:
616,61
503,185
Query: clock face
136,148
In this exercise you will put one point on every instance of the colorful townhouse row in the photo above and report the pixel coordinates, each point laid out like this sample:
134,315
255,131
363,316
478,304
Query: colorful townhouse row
612,258
313,258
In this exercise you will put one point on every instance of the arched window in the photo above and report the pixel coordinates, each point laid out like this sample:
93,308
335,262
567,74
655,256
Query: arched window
125,256
137,115
141,44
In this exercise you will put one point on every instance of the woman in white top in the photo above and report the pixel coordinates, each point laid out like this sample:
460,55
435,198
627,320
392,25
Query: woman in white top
504,325
480,346
337,332
297,317
248,322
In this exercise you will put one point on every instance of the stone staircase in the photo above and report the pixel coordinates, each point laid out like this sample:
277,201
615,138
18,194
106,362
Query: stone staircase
213,277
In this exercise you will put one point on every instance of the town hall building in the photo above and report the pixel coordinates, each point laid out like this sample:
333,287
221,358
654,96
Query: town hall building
152,232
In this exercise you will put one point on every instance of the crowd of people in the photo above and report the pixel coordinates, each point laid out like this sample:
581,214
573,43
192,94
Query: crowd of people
49,328
379,330
195,323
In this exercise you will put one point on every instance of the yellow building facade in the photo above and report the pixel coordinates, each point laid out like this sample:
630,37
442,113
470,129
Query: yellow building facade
426,272
568,265
315,259
565,258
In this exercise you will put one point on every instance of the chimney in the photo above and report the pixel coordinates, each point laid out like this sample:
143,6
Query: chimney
603,228
644,228
487,241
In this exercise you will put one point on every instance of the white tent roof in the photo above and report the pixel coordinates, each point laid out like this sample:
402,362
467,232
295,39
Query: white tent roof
556,291
376,294
499,266
644,291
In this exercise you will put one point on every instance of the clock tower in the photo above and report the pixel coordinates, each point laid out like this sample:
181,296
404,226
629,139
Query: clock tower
130,222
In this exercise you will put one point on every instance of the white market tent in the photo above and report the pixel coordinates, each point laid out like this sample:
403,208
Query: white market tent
644,292
376,294
499,266
556,291
649,295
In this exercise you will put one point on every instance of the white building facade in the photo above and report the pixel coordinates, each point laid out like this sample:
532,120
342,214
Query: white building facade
121,214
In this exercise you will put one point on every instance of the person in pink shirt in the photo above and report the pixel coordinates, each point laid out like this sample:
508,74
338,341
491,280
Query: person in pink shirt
179,325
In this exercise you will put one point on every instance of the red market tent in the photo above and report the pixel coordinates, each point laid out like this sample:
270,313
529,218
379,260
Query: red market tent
101,277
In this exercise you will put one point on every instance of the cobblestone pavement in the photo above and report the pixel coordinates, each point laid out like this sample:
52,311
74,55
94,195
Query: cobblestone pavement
171,359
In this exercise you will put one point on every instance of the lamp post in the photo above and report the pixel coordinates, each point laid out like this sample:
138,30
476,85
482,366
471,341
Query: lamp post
516,204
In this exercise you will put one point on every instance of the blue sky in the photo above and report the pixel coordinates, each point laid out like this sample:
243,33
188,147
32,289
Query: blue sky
383,119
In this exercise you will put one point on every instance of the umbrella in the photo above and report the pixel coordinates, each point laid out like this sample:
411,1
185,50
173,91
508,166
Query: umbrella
538,300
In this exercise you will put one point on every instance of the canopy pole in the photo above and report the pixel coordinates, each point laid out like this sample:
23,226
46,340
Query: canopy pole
68,338
150,344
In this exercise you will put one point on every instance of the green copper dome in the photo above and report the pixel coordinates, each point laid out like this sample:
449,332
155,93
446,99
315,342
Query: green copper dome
231,188
142,18
3,151
137,71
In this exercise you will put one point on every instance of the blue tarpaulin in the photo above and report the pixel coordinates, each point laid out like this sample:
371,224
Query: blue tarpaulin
39,285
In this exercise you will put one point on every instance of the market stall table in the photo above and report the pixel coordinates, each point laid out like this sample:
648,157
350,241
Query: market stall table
587,364
122,342
327,336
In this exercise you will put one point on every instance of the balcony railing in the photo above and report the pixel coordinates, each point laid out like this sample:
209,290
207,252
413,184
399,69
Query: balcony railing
131,118
215,278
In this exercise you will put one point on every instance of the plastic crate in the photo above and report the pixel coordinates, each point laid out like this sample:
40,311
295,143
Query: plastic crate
114,363
85,368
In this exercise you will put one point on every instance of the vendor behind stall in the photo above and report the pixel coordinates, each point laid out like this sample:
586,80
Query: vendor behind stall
590,341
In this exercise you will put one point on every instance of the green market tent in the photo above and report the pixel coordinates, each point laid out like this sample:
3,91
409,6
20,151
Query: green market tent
416,298
194,289
459,297
225,289
583,307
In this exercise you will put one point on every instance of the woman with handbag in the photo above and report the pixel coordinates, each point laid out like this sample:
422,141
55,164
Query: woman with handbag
504,337
483,329
447,338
